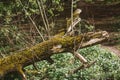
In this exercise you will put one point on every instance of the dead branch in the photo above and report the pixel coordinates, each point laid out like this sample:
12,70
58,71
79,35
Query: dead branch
82,67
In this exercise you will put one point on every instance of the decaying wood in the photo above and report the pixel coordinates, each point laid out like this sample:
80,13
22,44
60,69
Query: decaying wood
43,50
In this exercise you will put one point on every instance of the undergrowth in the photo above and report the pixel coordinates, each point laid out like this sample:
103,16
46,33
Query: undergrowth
106,67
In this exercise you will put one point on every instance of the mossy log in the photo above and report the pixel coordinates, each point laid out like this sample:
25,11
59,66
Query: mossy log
42,51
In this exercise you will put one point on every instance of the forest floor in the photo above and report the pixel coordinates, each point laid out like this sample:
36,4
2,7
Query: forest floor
114,49
113,45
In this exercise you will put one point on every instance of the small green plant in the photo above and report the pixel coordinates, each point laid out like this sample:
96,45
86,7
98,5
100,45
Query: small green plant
106,67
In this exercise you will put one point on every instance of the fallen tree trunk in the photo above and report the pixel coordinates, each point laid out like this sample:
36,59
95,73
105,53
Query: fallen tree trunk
42,51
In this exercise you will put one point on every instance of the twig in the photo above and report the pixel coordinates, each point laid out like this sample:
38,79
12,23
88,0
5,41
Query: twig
48,26
44,17
32,21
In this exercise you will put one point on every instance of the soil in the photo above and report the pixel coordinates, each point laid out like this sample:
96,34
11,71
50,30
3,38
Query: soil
112,49
113,45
